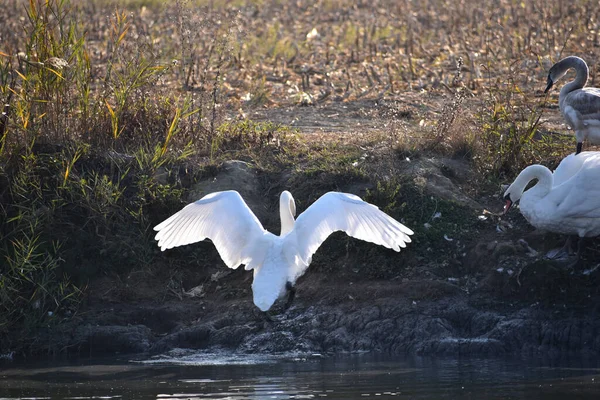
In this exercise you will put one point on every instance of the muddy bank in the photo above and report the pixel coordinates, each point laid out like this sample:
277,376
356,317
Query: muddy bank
329,318
469,284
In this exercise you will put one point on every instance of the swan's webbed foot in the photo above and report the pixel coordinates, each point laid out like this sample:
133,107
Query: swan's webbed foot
291,294
578,263
579,147
565,251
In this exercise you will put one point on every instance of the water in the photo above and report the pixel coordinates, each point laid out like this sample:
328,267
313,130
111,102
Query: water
185,375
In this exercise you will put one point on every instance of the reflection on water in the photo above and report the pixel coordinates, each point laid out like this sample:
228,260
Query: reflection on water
186,375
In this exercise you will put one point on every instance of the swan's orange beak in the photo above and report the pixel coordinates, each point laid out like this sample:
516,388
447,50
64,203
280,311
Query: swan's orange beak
508,205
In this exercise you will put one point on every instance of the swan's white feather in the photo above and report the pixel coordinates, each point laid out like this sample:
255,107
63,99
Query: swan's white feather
222,217
568,167
579,196
566,201
270,279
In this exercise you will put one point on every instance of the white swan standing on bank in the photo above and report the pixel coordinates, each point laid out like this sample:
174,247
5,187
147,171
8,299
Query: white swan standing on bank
566,202
277,261
579,105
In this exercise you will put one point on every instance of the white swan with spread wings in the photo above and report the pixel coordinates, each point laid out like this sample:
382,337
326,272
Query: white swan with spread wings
277,261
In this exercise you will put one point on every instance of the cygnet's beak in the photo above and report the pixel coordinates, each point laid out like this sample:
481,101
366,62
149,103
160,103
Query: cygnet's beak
549,84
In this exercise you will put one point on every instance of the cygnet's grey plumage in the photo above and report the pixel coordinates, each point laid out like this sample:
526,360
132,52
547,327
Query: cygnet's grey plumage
579,105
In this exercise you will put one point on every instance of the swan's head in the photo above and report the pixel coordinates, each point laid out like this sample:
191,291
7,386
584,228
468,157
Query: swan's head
286,201
511,196
510,199
559,69
287,212
516,190
556,72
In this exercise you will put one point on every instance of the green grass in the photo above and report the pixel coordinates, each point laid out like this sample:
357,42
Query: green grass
80,154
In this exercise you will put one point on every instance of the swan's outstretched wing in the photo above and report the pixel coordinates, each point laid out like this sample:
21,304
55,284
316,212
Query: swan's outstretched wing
579,197
335,211
222,217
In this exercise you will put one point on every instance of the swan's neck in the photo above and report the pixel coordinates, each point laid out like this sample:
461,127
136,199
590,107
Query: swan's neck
580,79
539,172
287,210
